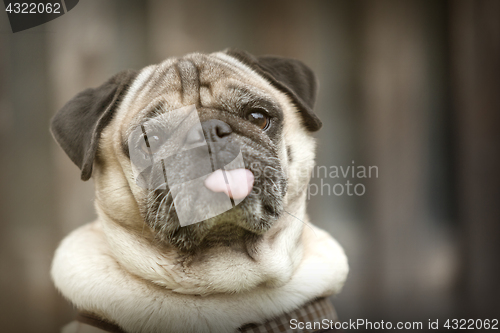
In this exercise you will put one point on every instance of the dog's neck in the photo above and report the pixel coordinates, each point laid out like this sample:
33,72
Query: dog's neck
104,269
270,261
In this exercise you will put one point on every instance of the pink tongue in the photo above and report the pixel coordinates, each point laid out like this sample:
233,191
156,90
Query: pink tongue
236,183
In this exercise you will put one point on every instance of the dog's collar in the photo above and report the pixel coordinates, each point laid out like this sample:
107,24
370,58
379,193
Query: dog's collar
86,319
313,312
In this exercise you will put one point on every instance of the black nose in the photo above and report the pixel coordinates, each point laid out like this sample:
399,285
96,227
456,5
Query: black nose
214,130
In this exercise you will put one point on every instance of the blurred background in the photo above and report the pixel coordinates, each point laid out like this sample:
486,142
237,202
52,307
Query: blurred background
411,87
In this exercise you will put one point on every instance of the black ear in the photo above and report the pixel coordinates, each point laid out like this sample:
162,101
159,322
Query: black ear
290,76
78,125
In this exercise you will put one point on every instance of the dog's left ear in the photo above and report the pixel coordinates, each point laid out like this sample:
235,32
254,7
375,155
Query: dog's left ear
77,127
290,76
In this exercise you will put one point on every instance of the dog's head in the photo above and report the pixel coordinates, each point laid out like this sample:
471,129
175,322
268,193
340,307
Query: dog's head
199,150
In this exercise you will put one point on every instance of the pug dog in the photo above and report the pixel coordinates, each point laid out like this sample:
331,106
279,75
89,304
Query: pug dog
201,166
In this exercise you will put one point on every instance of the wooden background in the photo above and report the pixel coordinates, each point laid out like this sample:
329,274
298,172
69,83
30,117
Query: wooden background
409,86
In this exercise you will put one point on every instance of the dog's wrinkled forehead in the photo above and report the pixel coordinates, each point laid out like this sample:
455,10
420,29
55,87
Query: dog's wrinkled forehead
205,81
226,81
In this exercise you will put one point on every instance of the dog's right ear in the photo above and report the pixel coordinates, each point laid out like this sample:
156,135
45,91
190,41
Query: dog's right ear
77,127
290,76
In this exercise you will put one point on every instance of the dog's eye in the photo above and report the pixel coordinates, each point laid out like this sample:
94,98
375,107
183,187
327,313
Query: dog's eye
259,118
150,144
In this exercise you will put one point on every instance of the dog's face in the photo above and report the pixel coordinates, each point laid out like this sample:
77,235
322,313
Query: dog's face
154,140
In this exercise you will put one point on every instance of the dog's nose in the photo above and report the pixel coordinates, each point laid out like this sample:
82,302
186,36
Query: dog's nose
214,130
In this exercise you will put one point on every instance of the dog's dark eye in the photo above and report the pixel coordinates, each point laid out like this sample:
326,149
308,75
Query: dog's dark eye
259,118
150,144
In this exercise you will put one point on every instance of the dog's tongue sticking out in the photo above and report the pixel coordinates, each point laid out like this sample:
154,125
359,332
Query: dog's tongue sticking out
236,183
